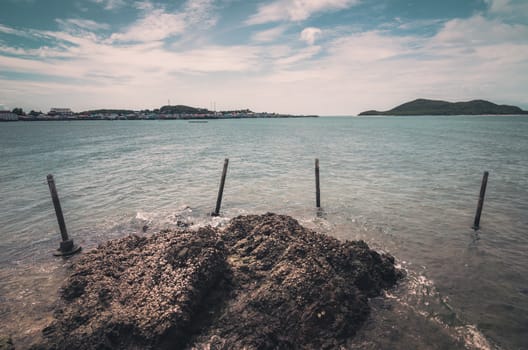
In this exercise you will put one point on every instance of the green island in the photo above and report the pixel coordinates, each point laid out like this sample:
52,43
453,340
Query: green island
437,107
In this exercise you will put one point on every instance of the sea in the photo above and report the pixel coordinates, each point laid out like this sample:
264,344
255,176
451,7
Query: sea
408,186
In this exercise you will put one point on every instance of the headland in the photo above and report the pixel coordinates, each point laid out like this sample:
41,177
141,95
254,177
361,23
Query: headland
435,107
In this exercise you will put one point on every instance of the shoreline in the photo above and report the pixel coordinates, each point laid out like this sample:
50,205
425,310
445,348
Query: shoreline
49,119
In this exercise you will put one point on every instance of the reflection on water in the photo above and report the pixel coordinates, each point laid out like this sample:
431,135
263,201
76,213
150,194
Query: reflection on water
408,186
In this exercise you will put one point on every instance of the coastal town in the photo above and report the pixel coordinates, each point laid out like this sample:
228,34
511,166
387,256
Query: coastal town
164,113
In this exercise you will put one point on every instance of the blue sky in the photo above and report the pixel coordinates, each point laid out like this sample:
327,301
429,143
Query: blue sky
329,57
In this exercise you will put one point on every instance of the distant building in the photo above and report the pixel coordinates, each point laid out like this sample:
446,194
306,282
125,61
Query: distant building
60,111
7,116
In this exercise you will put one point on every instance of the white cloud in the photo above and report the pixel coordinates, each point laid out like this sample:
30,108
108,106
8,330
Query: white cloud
88,54
154,25
310,34
514,10
15,31
478,30
85,24
200,13
7,30
111,4
43,51
370,47
296,10
498,5
269,35
301,55
415,24
144,5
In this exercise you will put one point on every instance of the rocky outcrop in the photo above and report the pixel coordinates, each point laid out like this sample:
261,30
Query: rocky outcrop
262,282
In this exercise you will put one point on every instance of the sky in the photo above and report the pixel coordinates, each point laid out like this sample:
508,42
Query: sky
326,57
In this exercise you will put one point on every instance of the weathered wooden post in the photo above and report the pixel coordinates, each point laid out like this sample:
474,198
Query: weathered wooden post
317,187
476,224
66,246
221,189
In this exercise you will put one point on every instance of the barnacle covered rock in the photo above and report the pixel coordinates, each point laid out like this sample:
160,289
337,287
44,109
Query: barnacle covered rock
262,282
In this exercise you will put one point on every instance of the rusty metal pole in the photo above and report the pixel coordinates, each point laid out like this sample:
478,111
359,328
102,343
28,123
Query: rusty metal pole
476,224
221,189
317,187
66,246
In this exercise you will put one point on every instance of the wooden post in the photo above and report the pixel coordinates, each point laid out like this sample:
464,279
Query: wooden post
66,246
317,187
221,189
476,224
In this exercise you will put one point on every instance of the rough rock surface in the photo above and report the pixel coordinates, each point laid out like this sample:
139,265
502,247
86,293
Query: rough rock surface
137,292
262,282
6,343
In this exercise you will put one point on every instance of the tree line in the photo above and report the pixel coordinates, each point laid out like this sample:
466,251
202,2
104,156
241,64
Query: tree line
19,111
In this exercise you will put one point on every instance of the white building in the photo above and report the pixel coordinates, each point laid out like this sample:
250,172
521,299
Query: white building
7,116
60,111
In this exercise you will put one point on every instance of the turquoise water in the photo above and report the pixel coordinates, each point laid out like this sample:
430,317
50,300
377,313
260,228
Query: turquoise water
406,185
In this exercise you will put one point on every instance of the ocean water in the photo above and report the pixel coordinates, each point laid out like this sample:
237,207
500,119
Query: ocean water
406,185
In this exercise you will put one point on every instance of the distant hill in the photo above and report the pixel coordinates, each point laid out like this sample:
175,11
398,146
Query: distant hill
432,107
180,109
108,111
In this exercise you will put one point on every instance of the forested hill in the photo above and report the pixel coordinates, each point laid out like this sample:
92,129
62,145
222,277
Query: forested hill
182,109
433,107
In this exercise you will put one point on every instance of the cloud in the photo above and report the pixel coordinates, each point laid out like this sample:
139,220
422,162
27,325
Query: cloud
268,35
200,13
86,56
478,30
301,55
309,35
513,10
14,31
85,24
369,48
155,25
498,6
42,52
111,4
296,10
415,24
145,5
7,30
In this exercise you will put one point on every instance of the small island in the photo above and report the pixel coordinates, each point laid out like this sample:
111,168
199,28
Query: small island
436,107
